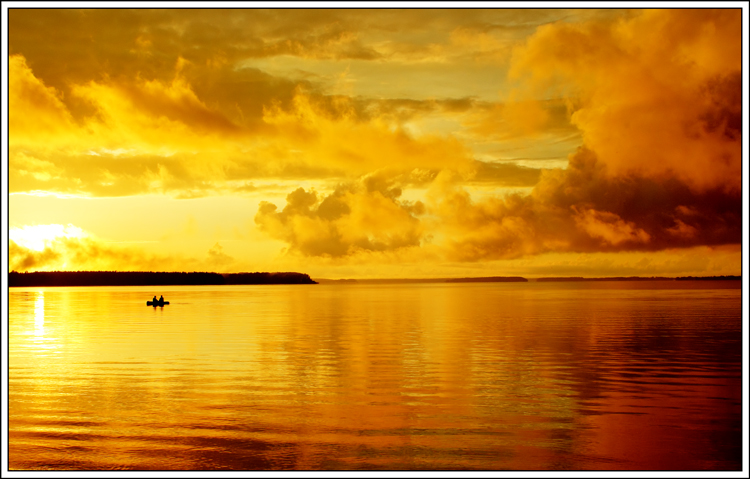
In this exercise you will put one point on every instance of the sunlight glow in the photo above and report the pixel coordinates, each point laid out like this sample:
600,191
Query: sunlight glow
36,237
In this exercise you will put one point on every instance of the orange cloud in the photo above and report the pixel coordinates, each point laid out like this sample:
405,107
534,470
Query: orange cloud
154,136
58,248
658,93
335,135
609,227
39,114
585,208
86,254
364,216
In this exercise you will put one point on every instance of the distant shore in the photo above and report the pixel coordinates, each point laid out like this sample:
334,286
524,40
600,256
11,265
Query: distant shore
640,278
489,279
518,279
139,278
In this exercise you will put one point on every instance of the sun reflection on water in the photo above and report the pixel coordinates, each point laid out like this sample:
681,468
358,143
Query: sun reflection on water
39,315
43,337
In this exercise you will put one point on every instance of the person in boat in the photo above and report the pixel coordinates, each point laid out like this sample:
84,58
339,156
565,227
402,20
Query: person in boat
161,298
154,300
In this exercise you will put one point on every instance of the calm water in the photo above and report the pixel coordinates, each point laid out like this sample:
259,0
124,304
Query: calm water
493,376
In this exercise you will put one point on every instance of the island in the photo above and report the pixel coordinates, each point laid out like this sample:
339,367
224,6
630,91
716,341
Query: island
149,278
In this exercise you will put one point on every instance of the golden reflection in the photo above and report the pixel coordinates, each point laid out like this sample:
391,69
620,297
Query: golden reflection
42,336
492,377
39,315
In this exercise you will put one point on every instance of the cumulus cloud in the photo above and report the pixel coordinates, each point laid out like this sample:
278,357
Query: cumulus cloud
367,215
656,94
583,208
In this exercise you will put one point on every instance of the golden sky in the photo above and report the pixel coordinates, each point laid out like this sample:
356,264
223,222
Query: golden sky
363,143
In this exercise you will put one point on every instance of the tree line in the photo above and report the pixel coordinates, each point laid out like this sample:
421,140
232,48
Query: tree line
149,278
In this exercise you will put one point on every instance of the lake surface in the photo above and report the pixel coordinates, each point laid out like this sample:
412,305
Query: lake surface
480,376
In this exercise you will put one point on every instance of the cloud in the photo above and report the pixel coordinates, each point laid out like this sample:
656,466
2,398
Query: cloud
83,254
42,116
217,258
519,117
334,135
505,174
165,104
21,258
147,136
585,208
661,162
72,249
581,209
609,227
363,216
657,94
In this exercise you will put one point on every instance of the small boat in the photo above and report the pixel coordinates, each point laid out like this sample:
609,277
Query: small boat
156,303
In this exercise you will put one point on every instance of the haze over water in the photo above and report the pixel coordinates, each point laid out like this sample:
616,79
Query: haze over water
487,376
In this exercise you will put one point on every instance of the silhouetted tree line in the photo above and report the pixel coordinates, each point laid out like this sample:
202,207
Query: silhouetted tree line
149,278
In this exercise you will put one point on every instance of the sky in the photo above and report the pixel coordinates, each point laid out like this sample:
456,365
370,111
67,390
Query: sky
376,143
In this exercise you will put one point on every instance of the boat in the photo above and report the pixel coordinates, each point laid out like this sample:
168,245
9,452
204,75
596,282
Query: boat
156,303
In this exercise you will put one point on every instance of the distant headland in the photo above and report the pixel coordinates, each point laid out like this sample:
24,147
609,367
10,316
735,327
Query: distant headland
641,278
150,278
485,279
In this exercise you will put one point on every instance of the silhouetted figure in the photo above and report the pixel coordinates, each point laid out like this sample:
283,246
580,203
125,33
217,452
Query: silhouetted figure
154,299
161,299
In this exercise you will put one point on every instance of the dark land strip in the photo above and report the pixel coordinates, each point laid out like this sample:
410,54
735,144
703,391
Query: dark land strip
150,278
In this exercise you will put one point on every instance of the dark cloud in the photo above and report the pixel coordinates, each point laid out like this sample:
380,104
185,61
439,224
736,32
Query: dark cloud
723,110
585,209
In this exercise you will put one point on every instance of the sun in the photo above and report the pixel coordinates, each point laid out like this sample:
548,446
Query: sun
36,237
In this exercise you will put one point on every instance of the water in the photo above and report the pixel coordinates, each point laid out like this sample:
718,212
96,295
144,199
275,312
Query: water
487,376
